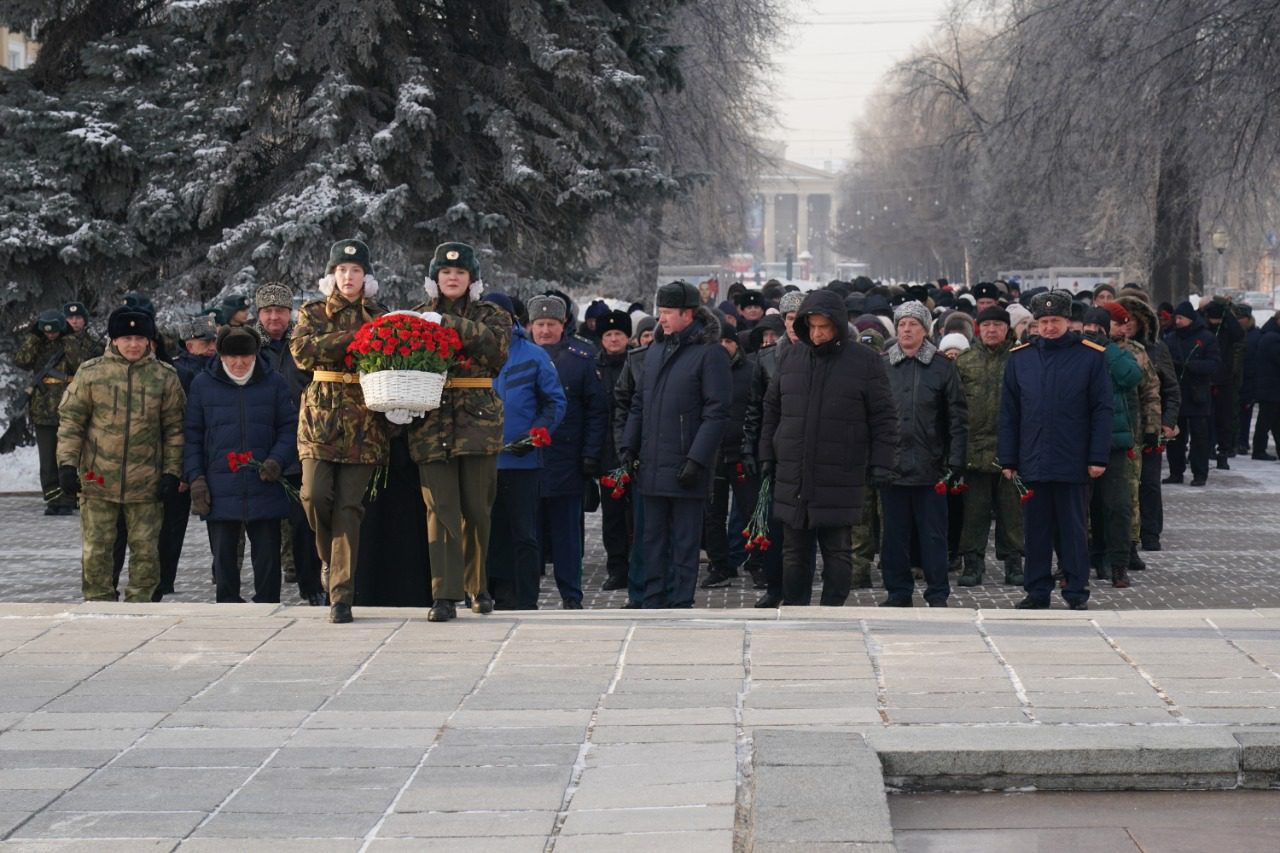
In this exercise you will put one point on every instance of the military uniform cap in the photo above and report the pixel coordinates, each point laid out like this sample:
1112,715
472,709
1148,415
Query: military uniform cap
51,321
749,298
614,321
349,252
458,255
201,328
546,308
75,309
1052,303
235,302
678,294
986,290
139,301
127,320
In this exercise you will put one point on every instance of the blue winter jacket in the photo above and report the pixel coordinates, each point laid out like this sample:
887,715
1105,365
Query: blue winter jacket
222,418
581,433
531,397
680,408
1055,410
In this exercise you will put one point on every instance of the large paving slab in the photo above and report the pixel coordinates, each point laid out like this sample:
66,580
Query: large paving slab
198,726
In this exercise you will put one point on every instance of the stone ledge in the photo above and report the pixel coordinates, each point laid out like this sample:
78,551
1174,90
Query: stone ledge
1259,758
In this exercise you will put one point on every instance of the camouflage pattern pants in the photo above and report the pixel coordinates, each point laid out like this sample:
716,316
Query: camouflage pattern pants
991,493
98,520
333,496
459,495
1135,481
866,536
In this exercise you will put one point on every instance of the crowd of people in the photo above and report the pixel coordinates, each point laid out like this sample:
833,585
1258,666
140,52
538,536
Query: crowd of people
871,423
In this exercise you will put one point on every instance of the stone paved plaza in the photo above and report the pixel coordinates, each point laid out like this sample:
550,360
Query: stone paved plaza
1220,548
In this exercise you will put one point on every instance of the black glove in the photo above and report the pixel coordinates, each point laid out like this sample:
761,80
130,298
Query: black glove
69,480
590,466
168,487
688,476
270,472
627,457
880,477
522,450
767,468
749,466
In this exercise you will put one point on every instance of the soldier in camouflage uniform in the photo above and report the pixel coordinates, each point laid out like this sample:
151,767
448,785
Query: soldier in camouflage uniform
50,351
340,442
456,446
84,340
981,369
121,428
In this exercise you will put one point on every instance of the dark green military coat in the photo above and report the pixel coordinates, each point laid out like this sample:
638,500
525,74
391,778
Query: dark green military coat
981,370
469,420
333,424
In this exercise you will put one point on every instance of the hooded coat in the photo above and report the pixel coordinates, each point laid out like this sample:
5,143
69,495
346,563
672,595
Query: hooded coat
680,408
1194,350
221,418
1147,333
828,418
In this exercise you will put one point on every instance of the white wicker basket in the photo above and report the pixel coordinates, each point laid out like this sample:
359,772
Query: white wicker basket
412,390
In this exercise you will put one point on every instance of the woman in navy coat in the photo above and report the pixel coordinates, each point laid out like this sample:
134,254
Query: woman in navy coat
239,405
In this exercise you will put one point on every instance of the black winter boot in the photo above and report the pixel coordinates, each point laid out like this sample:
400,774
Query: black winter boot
1120,576
974,566
1013,571
1136,563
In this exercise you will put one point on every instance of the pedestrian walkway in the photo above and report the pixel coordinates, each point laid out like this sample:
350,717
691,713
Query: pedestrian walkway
203,727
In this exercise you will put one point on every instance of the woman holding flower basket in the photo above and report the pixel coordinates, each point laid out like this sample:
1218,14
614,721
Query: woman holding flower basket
241,433
456,445
340,441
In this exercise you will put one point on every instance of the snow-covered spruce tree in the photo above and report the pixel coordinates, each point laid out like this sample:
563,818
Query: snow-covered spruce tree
187,148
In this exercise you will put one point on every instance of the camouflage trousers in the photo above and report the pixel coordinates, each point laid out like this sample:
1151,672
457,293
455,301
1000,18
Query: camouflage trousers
459,495
98,520
990,494
866,535
1135,482
333,497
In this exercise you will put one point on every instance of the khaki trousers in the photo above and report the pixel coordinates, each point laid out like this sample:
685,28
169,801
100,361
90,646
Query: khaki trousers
459,495
333,497
98,519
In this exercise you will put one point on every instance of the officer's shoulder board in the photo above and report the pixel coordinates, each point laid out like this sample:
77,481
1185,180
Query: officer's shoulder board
1023,345
1093,345
581,354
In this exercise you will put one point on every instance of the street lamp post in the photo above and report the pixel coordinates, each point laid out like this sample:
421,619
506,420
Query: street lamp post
1221,242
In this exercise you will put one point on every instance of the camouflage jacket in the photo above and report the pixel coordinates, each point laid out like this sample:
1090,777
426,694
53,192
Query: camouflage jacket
87,344
333,423
981,370
36,352
469,420
122,421
1148,420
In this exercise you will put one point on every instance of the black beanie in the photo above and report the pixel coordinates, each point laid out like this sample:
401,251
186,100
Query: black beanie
238,340
994,312
1215,310
1100,317
1184,309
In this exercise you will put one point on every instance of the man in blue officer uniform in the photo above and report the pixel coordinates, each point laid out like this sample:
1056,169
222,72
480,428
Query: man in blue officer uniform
1055,435
576,445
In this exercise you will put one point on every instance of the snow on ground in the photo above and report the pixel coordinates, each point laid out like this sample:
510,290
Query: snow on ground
20,470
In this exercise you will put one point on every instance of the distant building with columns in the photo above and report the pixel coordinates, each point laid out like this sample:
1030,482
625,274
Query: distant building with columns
20,48
796,208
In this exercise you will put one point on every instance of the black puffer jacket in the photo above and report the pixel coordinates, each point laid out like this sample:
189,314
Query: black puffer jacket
933,419
680,408
764,368
828,417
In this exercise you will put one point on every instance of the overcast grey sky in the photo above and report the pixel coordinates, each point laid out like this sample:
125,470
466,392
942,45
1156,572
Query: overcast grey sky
831,58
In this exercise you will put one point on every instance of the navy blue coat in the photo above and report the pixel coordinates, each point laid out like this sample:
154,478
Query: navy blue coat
189,367
531,397
680,408
1196,357
223,417
581,433
610,368
1248,391
1055,410
1266,375
741,368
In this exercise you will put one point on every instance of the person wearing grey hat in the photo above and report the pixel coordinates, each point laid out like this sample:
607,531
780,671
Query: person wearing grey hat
1054,440
676,421
546,308
644,329
932,441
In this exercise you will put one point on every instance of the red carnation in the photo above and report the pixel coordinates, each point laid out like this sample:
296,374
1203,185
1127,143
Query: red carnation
617,494
608,482
1130,453
940,487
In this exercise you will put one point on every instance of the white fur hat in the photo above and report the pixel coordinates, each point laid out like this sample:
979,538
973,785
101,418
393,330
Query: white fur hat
955,340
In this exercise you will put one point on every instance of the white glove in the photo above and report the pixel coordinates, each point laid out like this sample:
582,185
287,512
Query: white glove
431,316
399,416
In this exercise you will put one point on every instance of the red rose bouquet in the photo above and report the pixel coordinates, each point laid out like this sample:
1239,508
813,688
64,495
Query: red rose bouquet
244,459
618,479
536,437
757,530
403,341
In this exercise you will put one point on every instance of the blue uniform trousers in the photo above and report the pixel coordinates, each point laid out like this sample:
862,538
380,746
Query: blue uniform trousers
1055,518
562,525
672,537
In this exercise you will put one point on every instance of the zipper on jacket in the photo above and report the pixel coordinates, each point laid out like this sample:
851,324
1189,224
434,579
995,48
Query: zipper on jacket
244,442
128,411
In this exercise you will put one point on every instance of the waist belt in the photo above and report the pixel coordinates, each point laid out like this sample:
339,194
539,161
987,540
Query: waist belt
335,376
469,382
49,380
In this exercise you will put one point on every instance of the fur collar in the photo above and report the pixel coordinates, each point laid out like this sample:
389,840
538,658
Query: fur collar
710,333
924,355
